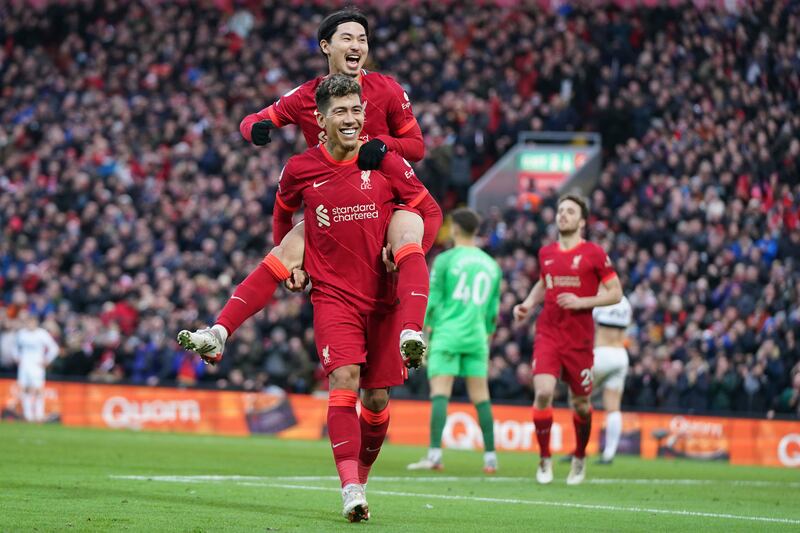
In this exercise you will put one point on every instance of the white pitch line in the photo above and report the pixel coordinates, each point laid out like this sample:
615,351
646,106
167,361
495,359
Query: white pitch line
476,479
449,497
593,507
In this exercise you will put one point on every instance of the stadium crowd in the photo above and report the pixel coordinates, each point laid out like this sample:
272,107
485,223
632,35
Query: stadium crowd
131,206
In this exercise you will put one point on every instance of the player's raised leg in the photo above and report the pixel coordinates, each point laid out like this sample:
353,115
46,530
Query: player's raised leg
582,420
478,392
544,386
344,433
249,298
405,237
441,388
374,423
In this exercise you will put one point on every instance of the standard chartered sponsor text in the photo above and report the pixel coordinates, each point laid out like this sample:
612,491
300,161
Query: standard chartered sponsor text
350,213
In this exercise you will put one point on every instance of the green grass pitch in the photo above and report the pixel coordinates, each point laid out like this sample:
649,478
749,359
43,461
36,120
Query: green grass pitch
66,479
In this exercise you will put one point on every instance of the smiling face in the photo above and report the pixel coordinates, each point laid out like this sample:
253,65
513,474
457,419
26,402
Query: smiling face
569,218
342,121
347,49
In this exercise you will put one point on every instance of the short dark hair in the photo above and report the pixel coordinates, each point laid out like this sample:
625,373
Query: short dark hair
329,24
466,219
335,86
580,200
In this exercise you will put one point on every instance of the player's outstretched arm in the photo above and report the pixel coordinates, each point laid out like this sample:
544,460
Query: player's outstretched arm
609,293
535,297
281,220
405,135
256,127
431,215
408,144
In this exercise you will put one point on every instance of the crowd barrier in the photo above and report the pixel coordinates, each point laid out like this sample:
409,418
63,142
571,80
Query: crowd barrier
735,440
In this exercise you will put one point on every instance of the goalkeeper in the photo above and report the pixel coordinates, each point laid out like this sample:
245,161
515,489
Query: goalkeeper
461,314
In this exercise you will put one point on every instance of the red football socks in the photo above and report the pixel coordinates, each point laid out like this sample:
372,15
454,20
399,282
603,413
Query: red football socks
412,285
543,421
373,432
344,433
583,430
253,293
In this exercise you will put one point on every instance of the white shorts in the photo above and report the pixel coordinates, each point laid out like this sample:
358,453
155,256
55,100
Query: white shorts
610,368
30,379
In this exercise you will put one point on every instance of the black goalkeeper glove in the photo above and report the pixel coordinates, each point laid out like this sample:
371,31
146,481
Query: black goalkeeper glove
371,154
260,132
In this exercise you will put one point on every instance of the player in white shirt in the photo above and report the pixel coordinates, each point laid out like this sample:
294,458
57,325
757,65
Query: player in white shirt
611,367
35,349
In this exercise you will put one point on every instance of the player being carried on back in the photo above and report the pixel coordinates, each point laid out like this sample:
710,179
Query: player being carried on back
571,271
389,126
352,293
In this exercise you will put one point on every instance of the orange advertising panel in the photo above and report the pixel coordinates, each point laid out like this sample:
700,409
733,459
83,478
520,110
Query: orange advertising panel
137,408
513,427
651,435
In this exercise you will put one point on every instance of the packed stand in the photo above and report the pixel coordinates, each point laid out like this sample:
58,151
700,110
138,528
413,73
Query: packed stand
131,206
700,216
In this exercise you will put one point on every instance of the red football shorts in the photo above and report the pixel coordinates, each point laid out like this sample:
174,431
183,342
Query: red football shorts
553,356
346,337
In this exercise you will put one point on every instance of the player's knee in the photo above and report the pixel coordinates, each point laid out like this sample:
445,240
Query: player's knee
612,400
344,377
288,255
405,228
543,399
581,405
407,237
478,390
375,399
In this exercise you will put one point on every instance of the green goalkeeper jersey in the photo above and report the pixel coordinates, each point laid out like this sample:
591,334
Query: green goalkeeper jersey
463,302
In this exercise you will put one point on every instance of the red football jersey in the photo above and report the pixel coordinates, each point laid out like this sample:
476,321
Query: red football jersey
347,212
579,271
387,109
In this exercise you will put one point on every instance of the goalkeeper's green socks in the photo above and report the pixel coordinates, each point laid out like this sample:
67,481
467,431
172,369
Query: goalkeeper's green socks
438,420
486,422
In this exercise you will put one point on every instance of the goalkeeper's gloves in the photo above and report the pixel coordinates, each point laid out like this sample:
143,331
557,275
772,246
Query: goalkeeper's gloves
371,154
260,132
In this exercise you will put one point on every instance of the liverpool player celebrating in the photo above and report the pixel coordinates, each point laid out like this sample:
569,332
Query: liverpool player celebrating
389,125
571,272
352,295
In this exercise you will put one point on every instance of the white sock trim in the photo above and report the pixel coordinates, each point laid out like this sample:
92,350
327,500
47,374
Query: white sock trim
223,333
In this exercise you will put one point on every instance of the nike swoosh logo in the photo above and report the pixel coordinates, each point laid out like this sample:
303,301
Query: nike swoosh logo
548,262
237,298
321,183
418,294
371,450
337,445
